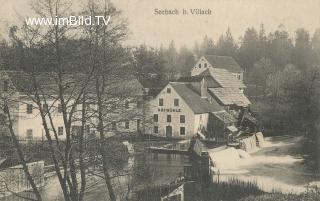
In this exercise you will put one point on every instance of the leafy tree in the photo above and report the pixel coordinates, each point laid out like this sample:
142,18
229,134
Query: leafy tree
185,60
207,46
249,51
226,45
280,47
302,55
315,43
196,50
261,70
263,43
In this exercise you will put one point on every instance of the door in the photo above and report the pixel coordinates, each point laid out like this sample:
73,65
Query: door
169,131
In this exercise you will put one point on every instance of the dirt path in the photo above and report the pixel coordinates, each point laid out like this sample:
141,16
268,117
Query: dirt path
278,166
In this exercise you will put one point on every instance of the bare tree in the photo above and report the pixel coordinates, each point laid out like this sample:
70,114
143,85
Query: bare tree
58,90
113,70
8,103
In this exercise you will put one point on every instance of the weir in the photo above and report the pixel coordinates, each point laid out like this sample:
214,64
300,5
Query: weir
248,144
251,143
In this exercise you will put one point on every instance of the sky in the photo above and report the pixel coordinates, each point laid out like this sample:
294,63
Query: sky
147,28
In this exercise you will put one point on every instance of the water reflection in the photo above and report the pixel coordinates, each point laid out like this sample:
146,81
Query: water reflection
162,169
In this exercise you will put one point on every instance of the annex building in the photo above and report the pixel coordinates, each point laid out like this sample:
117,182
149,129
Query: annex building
123,103
209,103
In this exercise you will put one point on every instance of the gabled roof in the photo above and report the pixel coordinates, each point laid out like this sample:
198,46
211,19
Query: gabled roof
198,78
190,79
224,62
230,96
47,83
225,117
224,78
197,104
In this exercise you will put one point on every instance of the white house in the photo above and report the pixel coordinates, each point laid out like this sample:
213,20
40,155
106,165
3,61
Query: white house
123,115
178,111
208,103
217,62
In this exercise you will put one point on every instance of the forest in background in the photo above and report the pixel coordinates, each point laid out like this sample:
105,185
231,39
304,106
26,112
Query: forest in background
282,73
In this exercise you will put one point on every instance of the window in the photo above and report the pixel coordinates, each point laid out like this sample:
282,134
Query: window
199,65
60,130
176,102
160,101
29,108
155,118
182,131
59,108
126,124
126,105
239,77
5,86
29,133
75,130
168,118
155,129
114,125
168,90
205,65
182,119
45,108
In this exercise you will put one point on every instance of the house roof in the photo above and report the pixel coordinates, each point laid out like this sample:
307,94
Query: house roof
224,78
47,83
230,96
197,104
210,81
225,117
190,79
224,62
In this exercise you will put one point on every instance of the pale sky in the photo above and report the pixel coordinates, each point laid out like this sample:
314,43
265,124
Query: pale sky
154,30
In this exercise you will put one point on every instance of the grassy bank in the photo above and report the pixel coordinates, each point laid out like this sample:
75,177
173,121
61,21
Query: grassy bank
193,191
310,195
232,190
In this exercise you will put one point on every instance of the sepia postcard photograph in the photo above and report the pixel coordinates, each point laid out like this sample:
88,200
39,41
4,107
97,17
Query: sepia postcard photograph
159,100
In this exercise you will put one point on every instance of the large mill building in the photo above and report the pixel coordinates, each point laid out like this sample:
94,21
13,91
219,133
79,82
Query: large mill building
209,103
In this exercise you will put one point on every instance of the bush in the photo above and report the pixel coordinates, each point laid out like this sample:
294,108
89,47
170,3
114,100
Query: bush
309,195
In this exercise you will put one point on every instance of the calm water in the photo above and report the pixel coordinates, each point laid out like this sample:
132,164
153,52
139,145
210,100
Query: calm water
159,169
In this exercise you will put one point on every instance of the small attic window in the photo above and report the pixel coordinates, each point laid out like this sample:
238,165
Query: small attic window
5,86
205,65
199,65
168,90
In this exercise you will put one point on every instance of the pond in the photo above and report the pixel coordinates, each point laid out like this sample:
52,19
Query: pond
154,169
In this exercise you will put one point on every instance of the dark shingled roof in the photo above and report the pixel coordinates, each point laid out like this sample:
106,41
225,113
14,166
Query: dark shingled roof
223,77
225,117
47,82
230,96
224,62
211,83
197,104
190,79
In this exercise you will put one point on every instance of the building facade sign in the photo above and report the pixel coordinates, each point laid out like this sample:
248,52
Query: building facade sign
169,110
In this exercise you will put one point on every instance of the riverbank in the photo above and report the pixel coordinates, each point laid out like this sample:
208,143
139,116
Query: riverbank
279,165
